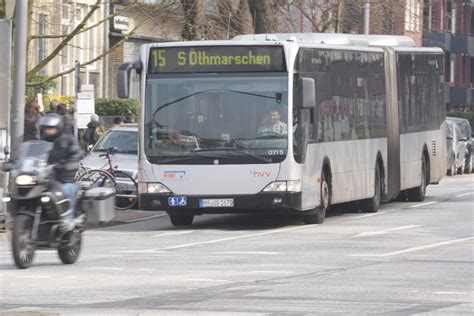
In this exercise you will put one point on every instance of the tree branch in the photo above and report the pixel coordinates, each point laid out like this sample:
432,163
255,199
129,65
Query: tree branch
53,77
56,51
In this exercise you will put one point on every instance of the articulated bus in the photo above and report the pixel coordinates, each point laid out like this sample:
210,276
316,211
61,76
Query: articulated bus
286,123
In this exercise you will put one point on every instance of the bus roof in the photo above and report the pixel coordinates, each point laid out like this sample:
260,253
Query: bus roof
332,39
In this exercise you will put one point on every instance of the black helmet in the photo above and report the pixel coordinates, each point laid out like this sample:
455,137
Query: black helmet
51,120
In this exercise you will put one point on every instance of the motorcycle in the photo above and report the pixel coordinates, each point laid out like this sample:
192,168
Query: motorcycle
40,208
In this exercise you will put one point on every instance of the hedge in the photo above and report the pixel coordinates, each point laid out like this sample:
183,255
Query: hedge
103,106
121,107
466,115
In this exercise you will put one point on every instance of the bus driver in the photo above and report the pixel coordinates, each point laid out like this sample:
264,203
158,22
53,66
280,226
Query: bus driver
272,124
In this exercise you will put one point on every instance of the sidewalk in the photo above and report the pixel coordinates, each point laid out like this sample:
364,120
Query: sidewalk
122,217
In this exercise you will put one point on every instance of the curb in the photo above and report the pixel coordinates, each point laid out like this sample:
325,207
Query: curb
5,236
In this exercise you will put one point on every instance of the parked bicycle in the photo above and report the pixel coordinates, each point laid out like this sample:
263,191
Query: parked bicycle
126,188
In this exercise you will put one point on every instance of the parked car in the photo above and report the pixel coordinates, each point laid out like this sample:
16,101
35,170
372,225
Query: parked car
124,139
455,149
466,138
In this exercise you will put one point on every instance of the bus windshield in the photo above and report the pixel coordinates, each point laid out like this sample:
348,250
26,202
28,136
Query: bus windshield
233,118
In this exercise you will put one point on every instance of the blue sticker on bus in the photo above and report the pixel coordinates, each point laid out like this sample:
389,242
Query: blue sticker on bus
177,201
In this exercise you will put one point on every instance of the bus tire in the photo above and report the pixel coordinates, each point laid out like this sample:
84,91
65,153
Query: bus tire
418,194
181,220
318,215
372,205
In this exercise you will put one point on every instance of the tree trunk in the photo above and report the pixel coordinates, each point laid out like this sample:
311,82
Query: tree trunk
194,19
267,15
246,22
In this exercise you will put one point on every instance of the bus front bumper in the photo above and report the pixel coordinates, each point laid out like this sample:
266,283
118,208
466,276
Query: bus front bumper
281,202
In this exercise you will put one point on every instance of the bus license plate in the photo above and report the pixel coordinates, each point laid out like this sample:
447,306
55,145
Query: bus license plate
216,202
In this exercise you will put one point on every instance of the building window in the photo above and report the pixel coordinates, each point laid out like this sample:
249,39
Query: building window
65,11
64,87
93,40
412,15
41,53
65,50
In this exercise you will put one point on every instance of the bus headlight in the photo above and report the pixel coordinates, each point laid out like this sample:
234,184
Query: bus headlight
154,188
25,179
284,186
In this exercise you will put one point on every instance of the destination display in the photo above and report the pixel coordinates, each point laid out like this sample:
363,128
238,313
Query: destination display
216,59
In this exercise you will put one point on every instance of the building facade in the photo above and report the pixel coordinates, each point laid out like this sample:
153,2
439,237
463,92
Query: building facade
147,22
51,22
449,24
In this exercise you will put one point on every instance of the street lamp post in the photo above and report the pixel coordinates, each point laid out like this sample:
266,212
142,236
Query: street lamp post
366,16
19,78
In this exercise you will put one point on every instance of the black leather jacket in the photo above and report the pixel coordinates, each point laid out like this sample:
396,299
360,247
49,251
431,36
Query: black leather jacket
66,153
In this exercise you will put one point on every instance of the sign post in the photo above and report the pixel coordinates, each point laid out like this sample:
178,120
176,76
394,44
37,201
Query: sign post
85,105
5,78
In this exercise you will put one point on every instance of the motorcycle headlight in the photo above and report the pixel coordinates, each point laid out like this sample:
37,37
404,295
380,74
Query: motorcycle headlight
25,179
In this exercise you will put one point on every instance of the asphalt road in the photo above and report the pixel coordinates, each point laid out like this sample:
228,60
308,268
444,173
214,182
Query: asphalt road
409,258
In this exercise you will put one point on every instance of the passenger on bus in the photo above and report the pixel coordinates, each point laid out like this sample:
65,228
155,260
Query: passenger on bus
272,125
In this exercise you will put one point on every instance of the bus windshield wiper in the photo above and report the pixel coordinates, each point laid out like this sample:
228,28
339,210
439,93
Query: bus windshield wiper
277,98
235,150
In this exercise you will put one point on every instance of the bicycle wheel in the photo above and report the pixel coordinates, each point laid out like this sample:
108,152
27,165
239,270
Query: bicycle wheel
126,191
80,172
99,178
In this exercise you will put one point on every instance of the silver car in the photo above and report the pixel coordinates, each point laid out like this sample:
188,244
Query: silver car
124,141
465,137
455,149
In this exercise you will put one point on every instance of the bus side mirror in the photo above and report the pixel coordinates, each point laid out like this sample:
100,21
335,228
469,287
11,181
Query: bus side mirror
307,93
123,78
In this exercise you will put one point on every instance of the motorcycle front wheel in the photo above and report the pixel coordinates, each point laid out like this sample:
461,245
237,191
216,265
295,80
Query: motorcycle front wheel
22,246
69,251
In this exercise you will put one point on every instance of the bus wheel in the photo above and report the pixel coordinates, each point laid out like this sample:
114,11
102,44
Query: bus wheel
372,205
317,216
418,194
181,220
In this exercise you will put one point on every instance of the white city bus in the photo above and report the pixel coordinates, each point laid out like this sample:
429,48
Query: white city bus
287,123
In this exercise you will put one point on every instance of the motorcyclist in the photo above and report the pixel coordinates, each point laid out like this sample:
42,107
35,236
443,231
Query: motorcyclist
65,155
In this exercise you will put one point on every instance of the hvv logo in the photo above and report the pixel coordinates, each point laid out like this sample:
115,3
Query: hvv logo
260,174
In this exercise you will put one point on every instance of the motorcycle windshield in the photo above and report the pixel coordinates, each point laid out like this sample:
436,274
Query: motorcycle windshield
32,153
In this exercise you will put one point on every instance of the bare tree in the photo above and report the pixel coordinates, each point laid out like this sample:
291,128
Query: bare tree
268,15
58,40
194,19
233,18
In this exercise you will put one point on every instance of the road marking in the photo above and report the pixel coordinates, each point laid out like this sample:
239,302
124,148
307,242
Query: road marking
234,238
424,204
206,280
146,269
369,215
413,249
35,276
249,252
461,195
106,268
145,218
173,233
270,272
385,231
138,251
